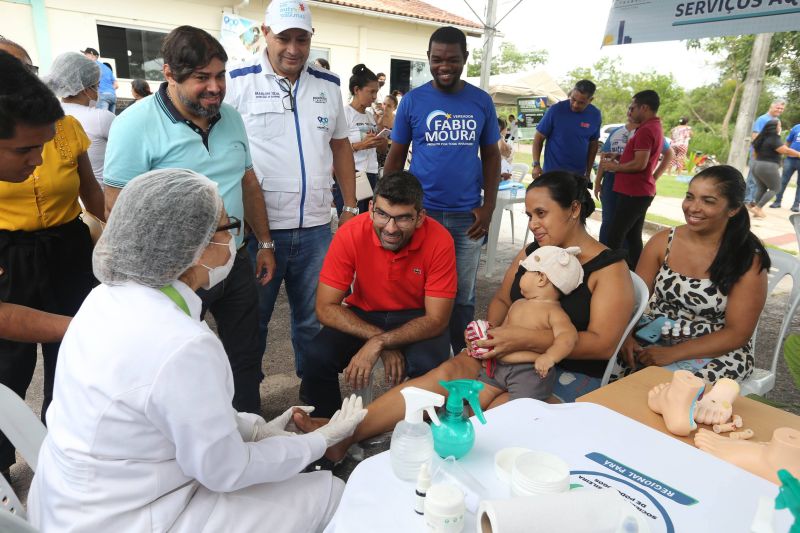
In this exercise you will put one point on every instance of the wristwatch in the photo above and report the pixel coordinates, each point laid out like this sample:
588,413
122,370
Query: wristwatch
349,209
536,164
269,245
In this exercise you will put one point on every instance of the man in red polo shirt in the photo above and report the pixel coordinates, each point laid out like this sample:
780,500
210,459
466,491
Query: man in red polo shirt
402,269
634,179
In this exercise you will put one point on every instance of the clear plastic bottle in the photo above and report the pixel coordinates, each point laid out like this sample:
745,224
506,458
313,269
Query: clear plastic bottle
412,440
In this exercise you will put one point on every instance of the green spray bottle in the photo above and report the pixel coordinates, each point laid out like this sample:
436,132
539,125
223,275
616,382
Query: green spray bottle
455,436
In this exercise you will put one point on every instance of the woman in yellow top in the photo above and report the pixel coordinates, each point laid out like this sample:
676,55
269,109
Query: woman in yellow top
45,248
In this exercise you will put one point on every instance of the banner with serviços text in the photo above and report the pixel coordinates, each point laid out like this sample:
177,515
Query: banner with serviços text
641,21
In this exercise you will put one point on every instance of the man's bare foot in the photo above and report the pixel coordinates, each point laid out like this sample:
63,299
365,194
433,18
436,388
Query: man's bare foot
716,406
763,459
307,424
675,401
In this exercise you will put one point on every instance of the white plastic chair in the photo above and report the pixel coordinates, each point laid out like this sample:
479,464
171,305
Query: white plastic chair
794,218
26,432
762,380
518,173
641,296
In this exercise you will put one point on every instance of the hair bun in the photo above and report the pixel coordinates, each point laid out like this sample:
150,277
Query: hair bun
358,69
583,196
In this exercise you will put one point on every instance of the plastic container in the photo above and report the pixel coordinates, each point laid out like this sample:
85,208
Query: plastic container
412,441
504,462
539,473
455,435
444,509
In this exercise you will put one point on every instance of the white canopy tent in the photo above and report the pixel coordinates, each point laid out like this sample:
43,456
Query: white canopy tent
506,88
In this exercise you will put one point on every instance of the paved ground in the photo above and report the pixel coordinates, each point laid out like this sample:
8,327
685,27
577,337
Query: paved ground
280,388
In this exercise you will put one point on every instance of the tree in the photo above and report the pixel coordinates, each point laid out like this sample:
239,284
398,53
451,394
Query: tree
509,60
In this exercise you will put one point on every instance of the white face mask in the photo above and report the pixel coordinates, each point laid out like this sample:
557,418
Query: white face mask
219,273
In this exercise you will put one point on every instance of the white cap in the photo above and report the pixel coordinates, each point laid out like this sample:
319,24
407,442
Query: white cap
561,266
287,14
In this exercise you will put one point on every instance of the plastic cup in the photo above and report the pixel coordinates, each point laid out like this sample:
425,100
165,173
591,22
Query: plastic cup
539,473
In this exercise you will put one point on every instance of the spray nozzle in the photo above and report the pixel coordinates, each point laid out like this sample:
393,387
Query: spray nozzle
789,496
418,400
460,390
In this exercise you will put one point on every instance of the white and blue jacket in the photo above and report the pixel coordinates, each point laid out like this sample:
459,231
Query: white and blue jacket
290,148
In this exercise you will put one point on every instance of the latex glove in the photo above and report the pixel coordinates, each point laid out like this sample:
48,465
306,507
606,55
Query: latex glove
277,426
344,421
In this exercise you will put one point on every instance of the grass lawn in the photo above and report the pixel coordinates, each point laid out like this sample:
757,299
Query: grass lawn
669,186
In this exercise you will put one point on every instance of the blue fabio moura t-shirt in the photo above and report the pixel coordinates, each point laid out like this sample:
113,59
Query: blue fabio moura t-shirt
568,136
446,132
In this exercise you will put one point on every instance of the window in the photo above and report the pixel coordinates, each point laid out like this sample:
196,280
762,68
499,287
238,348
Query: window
407,75
317,53
137,53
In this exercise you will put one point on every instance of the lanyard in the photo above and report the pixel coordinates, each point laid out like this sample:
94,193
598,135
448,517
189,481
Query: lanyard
176,297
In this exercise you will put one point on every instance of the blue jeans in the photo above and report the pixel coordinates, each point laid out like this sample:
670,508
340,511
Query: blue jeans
299,254
468,255
332,350
750,184
790,166
107,101
609,199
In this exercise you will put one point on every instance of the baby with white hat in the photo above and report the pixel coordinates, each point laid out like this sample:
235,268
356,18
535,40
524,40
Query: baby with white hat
549,273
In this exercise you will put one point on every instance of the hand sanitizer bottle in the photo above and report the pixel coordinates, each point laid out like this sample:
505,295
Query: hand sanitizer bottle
412,440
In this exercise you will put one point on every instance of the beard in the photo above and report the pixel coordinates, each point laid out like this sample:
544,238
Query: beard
197,109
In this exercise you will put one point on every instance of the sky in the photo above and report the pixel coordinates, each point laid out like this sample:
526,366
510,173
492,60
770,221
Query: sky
572,30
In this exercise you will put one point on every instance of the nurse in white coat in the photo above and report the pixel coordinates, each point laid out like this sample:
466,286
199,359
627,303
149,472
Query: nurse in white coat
141,432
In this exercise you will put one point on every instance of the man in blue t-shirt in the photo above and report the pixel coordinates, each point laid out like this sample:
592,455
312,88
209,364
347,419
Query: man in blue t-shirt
107,88
775,110
571,129
449,123
790,166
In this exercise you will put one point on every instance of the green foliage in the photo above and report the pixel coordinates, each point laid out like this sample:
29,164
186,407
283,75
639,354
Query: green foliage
791,353
709,142
616,87
508,60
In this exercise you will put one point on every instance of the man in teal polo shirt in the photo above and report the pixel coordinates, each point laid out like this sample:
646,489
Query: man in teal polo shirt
186,125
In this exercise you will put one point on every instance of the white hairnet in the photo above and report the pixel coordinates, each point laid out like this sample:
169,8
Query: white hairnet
160,225
71,73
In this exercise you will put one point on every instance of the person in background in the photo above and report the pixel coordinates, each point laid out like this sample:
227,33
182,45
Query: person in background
74,79
398,95
322,62
791,165
186,125
776,109
506,152
45,248
604,181
293,154
766,165
108,83
513,129
710,273
570,131
362,130
635,181
453,127
386,119
680,135
144,389
28,125
140,89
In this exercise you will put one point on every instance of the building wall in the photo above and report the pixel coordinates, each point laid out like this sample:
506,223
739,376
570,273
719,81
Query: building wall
352,37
